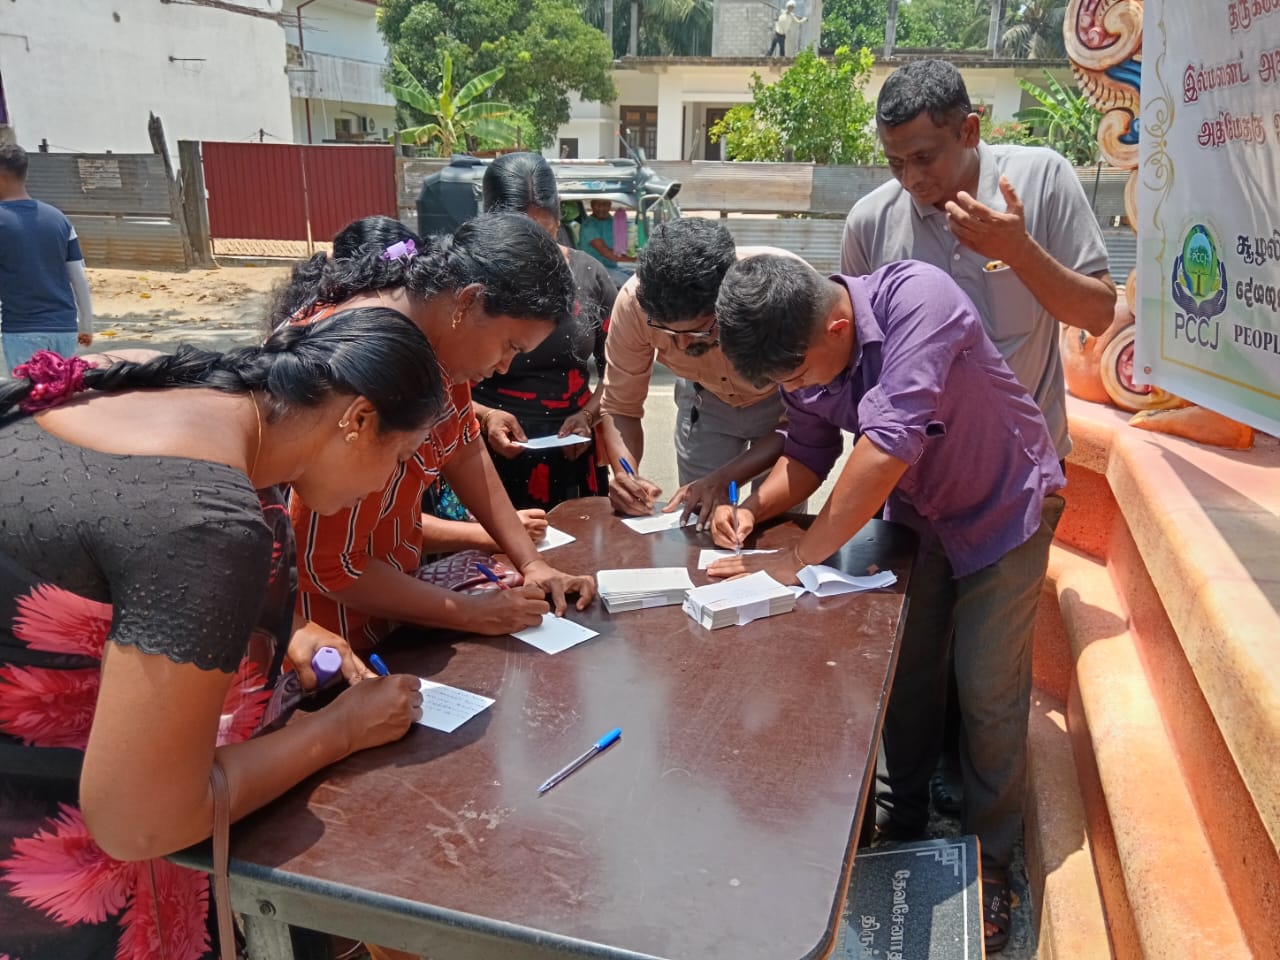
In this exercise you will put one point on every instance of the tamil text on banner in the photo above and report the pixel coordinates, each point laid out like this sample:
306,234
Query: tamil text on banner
1209,206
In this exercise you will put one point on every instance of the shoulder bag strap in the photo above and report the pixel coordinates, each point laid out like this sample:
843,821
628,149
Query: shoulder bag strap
221,842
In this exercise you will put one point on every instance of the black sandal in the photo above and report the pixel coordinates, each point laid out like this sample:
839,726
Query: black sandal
997,900
947,790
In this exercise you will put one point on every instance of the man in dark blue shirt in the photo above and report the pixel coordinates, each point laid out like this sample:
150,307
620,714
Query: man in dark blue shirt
44,291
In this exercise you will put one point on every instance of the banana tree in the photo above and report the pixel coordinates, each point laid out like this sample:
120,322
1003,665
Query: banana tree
1062,119
454,118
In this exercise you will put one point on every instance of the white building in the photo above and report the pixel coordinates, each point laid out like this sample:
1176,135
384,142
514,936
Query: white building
336,66
666,105
83,75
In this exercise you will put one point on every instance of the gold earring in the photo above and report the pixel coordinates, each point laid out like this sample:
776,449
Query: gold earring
342,424
351,437
456,321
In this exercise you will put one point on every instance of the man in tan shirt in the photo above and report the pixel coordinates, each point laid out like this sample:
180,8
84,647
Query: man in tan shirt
726,427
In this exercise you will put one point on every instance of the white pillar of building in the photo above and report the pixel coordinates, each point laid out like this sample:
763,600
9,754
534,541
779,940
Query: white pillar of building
670,115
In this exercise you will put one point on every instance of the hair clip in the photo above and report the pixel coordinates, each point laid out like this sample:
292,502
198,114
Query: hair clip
400,250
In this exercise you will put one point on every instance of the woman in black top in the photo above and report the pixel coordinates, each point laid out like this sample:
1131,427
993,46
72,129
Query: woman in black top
146,601
547,391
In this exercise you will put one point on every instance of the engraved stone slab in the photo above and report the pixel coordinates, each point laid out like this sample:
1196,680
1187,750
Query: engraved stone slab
914,901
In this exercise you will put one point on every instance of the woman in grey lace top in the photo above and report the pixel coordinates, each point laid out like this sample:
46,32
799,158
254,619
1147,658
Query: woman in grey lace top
146,598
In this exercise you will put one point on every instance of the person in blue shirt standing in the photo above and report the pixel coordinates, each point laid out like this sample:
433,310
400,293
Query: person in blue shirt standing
44,291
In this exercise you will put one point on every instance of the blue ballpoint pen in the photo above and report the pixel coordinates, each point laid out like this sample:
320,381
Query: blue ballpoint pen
489,575
733,505
626,468
600,745
379,667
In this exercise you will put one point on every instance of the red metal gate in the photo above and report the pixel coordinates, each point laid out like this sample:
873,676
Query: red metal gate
281,191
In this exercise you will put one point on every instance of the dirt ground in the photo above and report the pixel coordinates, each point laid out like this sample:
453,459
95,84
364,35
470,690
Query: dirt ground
215,309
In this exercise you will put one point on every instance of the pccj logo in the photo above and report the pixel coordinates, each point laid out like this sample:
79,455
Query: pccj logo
1199,289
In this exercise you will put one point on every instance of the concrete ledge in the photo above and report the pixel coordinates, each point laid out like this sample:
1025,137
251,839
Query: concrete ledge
1064,887
1179,903
1206,523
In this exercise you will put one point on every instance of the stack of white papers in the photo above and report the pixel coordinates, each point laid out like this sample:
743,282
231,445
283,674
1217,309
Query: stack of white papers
735,602
823,581
555,634
642,587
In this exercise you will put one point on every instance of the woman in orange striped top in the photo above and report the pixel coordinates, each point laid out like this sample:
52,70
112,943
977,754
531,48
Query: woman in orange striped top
496,289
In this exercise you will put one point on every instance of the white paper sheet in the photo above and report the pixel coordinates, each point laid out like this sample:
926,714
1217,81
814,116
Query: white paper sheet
708,557
658,523
824,581
554,538
555,634
447,708
548,443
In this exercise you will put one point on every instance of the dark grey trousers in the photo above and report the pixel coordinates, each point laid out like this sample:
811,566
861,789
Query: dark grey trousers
991,616
709,433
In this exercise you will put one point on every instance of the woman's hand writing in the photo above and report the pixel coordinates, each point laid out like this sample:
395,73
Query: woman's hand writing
377,712
495,612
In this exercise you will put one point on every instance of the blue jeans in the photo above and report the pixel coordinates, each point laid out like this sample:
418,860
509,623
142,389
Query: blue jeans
18,347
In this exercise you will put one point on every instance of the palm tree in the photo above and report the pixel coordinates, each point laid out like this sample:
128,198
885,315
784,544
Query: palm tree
453,118
950,24
1036,31
673,28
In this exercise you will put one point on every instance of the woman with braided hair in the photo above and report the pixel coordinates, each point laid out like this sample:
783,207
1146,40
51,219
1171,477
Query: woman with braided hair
146,598
495,289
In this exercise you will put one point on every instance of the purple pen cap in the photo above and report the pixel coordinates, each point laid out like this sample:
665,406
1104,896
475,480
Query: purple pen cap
327,664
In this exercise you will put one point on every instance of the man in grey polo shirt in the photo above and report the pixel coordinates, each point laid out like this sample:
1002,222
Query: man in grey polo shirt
1011,225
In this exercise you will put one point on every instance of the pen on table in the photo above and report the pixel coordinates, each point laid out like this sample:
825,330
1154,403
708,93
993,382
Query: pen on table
598,747
492,577
733,505
379,667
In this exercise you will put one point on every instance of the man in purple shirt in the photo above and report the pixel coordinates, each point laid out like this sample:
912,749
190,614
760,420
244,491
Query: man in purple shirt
960,451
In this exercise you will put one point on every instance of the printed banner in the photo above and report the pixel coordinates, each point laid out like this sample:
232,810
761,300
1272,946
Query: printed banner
1209,206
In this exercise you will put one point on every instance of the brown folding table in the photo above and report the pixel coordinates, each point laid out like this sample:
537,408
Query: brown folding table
722,825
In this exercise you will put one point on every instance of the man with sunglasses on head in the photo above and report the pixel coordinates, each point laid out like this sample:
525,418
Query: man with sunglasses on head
726,427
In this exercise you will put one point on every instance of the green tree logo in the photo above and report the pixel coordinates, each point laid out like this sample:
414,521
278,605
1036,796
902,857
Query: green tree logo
1199,275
